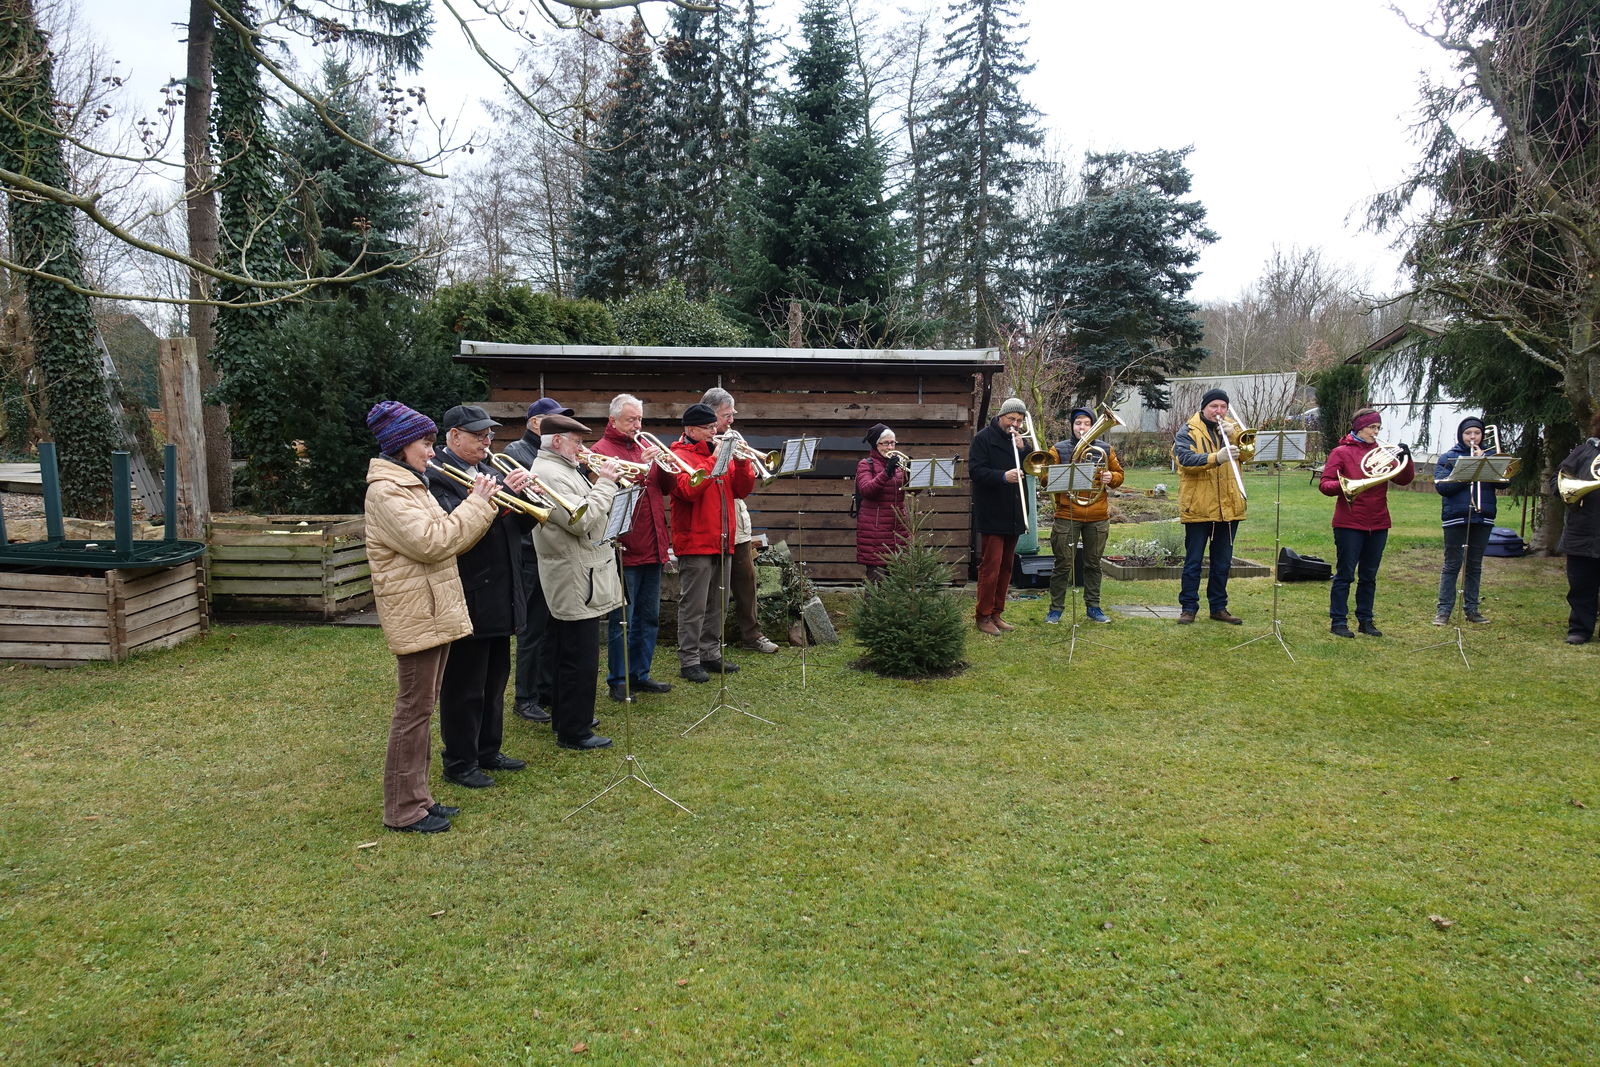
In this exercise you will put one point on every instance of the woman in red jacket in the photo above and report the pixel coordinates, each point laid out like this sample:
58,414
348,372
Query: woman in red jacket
1360,526
880,503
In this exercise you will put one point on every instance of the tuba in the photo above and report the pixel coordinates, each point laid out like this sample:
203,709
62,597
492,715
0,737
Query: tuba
1089,452
1573,490
1380,464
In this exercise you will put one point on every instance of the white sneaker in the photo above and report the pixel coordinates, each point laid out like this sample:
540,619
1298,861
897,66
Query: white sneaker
763,644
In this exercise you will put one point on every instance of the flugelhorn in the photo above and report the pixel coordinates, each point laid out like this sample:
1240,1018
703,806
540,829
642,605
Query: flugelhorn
667,460
501,497
507,464
628,472
1573,490
1378,465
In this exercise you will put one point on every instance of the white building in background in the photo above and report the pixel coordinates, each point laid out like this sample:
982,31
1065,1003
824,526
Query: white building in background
1428,428
1253,398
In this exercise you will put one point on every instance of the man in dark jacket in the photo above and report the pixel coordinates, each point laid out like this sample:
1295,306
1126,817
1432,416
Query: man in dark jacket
1467,510
997,512
1580,540
472,698
534,667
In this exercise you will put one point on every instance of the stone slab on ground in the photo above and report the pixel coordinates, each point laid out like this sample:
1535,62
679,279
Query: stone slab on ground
1147,611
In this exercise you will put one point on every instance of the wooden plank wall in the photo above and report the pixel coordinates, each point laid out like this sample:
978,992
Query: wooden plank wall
932,412
61,620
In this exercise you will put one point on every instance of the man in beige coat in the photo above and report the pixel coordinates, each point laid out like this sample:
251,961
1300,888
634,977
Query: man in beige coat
579,577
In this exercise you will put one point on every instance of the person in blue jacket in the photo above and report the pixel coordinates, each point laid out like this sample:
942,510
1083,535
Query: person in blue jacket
1467,511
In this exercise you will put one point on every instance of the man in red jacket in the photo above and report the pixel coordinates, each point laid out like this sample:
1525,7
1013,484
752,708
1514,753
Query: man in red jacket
702,535
644,552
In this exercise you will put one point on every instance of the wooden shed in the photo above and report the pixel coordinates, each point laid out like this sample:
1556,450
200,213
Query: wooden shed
935,401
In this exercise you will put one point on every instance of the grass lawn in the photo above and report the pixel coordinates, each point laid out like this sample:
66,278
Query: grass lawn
1164,853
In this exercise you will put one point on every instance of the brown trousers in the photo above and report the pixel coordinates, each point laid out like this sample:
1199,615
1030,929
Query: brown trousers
743,579
405,767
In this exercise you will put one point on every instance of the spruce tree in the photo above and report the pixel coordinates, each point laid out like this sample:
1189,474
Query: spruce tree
1117,267
694,139
972,163
910,623
817,226
619,231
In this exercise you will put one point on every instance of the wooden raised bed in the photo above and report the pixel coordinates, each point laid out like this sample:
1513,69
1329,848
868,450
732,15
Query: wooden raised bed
1242,568
289,565
69,618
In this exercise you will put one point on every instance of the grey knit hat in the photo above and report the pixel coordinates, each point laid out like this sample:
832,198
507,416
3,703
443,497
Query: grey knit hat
1014,406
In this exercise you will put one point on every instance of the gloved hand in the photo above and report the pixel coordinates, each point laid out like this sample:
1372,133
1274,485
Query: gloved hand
890,463
1403,450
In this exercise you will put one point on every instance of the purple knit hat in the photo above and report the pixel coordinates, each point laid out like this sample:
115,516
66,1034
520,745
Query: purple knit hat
395,426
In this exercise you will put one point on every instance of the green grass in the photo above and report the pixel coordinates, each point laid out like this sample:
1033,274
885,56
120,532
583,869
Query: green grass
1166,852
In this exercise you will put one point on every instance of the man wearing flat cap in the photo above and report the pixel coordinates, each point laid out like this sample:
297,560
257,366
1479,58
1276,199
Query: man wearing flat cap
702,535
533,665
579,576
1210,505
997,512
472,697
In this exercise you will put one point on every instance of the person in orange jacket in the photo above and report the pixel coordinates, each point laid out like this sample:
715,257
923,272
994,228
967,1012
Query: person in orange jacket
1089,519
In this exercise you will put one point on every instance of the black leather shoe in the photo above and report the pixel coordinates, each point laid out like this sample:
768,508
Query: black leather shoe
717,666
444,811
1339,629
592,741
473,779
619,693
1577,639
527,709
650,685
428,824
696,673
1369,629
502,762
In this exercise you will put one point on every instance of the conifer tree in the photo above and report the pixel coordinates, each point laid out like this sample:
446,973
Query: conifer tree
620,228
910,624
817,224
1117,266
973,161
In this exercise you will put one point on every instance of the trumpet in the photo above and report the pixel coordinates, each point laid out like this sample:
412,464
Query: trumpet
667,461
500,496
1378,465
903,459
764,462
507,464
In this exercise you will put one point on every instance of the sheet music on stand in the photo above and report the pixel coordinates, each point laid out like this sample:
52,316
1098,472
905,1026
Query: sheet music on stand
620,521
799,455
1280,446
932,473
1070,477
724,457
1480,469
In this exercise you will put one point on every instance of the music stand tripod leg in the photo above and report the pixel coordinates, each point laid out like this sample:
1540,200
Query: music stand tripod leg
1277,548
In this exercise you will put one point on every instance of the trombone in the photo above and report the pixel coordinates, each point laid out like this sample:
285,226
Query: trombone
1491,447
1037,460
501,497
1245,440
507,464
667,461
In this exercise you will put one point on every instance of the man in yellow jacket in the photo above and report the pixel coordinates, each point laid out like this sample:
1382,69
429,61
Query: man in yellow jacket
1210,505
1085,515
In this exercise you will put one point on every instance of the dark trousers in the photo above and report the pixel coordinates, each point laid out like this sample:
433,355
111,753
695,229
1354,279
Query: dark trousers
1583,593
994,572
1196,537
1357,554
472,701
1463,544
643,586
405,766
534,665
575,647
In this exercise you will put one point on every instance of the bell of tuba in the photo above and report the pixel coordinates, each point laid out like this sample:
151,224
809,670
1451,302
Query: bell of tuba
1573,490
1089,452
1379,465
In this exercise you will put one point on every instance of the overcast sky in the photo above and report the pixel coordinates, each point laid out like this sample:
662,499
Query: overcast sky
1297,111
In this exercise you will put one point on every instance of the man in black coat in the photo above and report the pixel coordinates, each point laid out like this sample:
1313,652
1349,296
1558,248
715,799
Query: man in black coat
535,670
472,697
997,512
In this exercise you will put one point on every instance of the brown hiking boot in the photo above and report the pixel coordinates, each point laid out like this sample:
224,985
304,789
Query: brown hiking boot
1185,617
986,625
1223,616
1001,624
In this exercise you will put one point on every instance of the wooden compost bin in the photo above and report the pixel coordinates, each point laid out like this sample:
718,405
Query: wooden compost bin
289,565
69,618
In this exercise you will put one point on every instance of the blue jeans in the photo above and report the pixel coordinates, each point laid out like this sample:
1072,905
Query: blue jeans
1196,535
643,587
1357,555
1463,542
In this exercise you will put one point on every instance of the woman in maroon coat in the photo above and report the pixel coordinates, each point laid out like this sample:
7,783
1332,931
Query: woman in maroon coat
881,503
1360,526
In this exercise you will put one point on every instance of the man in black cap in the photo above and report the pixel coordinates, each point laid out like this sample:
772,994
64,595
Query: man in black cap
472,698
534,668
1210,505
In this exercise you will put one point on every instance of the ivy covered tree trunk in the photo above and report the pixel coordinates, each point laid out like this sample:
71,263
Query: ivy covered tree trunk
42,234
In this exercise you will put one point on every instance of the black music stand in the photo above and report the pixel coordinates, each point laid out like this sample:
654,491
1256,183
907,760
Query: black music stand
1276,447
718,474
1476,470
619,523
1073,478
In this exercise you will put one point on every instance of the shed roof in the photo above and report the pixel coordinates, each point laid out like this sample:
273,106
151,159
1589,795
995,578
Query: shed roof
646,357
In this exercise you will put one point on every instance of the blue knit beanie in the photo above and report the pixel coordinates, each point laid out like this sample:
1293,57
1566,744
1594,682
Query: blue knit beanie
395,426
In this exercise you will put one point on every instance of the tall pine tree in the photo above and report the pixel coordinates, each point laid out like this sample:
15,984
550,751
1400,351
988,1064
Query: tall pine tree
817,226
1117,268
973,160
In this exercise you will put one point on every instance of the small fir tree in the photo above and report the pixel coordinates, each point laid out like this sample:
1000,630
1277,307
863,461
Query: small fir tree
910,624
